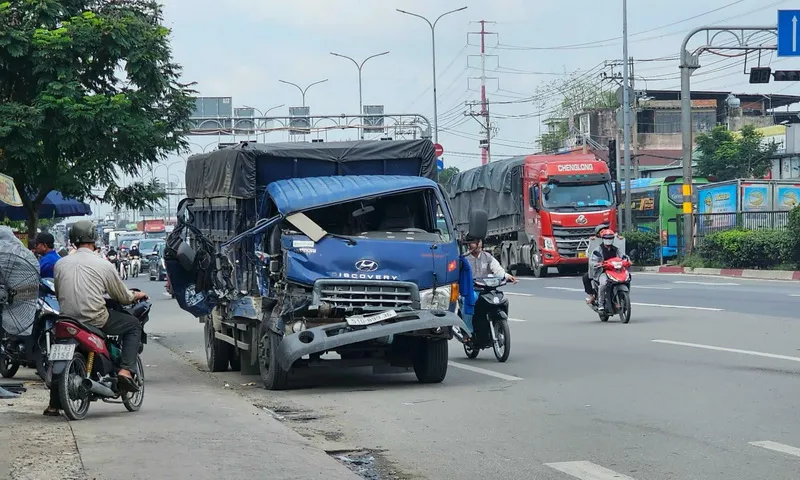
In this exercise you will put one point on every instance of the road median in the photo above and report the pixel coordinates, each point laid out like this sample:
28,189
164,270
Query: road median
724,272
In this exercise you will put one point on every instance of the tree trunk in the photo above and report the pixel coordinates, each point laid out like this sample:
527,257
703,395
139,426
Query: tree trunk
33,224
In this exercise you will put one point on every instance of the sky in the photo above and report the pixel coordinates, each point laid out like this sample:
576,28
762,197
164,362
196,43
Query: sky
242,48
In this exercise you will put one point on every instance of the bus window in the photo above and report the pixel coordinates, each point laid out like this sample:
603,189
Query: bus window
644,203
675,193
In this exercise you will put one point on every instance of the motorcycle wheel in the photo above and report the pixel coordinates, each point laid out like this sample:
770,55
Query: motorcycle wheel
133,401
502,348
8,368
74,400
471,351
43,369
624,301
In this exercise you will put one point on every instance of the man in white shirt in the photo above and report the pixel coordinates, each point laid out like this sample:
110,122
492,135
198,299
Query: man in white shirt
484,264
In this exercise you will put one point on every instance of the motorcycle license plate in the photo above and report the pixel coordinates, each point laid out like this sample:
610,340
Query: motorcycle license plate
581,254
361,320
61,351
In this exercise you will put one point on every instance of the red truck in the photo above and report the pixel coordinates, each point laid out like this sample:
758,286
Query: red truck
542,208
153,228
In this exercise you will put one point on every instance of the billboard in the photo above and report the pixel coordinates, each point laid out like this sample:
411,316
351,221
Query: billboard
787,196
373,124
299,121
755,197
718,199
212,113
244,121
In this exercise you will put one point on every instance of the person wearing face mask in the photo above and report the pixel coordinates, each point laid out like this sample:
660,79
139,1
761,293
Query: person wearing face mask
606,250
483,263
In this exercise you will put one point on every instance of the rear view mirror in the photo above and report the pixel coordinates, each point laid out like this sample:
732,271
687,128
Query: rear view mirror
478,224
533,196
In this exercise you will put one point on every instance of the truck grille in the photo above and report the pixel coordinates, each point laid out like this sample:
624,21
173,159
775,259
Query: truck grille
366,294
568,239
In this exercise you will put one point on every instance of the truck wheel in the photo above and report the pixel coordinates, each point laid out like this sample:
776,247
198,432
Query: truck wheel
430,361
218,353
236,361
539,270
273,376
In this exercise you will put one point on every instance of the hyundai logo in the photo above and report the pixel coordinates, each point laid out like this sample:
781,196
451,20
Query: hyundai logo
366,265
581,220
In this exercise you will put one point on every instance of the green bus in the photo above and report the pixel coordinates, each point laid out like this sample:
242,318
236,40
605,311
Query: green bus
656,204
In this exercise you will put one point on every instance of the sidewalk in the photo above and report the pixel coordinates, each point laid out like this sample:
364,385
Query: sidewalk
188,428
723,272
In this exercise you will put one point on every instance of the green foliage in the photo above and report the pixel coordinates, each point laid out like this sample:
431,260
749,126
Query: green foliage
446,174
646,245
694,261
726,156
88,91
760,249
793,227
553,141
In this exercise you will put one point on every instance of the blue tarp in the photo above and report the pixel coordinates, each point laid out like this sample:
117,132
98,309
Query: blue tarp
54,205
299,194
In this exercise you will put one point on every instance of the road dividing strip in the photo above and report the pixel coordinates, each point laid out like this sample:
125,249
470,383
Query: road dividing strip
713,284
587,471
648,287
518,294
516,320
730,350
566,289
778,447
685,307
501,376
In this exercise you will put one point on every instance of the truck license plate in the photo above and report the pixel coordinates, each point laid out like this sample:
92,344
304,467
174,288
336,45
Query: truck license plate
61,351
361,320
581,254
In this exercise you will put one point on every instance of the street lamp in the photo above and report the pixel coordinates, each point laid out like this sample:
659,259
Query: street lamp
303,90
359,66
433,49
264,114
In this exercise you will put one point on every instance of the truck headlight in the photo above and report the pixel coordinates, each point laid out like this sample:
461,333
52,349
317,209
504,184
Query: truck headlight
549,244
440,300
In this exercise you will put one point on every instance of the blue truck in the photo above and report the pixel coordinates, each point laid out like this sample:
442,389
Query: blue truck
299,255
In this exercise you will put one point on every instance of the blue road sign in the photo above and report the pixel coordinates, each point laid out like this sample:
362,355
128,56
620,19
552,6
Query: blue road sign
787,33
440,164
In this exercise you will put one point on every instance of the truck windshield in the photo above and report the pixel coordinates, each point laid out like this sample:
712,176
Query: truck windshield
577,195
417,215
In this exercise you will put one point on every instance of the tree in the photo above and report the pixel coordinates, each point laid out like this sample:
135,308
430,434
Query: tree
88,91
446,174
728,156
554,140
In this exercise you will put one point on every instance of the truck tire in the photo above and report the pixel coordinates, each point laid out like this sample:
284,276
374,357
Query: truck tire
272,375
539,270
218,353
430,361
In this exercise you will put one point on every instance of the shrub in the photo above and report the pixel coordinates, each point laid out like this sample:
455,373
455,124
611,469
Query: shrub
761,249
646,245
794,229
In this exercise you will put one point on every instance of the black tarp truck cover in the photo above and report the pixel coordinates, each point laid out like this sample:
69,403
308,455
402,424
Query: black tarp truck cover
495,187
240,172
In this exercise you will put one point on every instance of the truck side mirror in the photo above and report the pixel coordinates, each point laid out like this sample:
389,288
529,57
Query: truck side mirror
533,194
478,224
617,193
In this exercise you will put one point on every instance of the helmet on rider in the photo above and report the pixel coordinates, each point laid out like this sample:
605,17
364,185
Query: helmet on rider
608,236
83,232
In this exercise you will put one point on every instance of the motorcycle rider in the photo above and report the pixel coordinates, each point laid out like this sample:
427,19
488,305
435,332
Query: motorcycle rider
482,264
44,246
81,281
606,250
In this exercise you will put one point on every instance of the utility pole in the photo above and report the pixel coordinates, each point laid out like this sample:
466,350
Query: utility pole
626,113
485,143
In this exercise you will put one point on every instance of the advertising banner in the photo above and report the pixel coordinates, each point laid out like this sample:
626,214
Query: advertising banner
787,196
720,200
755,197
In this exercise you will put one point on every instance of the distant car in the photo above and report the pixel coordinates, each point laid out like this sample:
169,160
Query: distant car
158,270
147,247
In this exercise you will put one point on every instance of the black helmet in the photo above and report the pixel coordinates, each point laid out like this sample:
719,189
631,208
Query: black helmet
82,231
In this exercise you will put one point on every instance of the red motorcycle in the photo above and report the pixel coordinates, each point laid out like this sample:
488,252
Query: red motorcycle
618,290
85,362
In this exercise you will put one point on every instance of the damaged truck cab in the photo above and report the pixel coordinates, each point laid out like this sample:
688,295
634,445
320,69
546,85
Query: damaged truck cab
340,254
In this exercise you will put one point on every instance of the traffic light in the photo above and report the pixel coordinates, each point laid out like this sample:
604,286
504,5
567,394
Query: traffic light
787,75
612,158
760,74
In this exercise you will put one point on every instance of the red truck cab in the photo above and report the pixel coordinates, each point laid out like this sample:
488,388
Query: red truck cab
566,198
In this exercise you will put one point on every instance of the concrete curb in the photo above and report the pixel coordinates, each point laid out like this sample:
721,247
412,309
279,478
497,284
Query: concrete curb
724,272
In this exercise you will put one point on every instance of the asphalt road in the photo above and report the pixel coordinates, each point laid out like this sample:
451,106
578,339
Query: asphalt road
702,384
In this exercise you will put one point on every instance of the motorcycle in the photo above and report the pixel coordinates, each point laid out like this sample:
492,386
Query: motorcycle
85,362
31,350
491,328
124,267
618,298
136,266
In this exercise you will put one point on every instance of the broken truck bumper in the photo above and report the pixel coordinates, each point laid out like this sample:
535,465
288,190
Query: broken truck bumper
329,337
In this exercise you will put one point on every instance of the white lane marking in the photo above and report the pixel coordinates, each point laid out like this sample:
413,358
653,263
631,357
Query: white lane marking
519,294
723,284
646,287
516,320
566,289
731,350
778,447
501,376
684,307
794,295
587,471
528,278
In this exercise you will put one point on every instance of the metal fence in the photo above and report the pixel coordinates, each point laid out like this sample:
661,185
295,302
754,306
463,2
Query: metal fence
707,223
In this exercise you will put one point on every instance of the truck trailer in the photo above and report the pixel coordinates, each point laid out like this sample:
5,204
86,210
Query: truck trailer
312,254
542,209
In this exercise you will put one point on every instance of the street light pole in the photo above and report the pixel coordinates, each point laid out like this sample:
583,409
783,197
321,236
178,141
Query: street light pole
433,50
303,90
264,114
360,66
626,112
